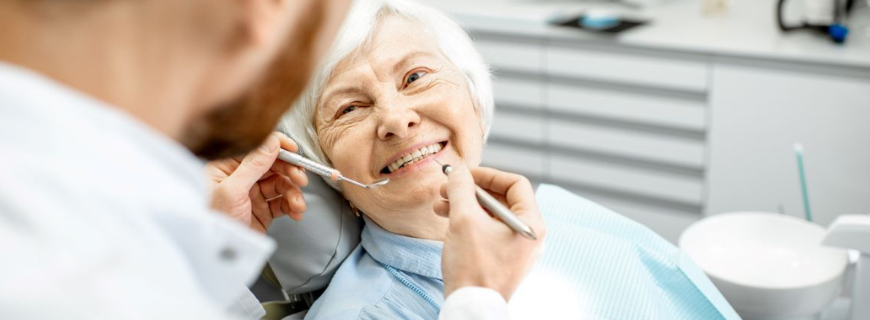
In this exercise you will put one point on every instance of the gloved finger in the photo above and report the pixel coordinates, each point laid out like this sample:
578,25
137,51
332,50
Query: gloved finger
287,208
260,212
294,199
442,208
296,216
274,186
494,181
516,191
286,143
255,164
443,191
500,197
221,167
296,174
460,192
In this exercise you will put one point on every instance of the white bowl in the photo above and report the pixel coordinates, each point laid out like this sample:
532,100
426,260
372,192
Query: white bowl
767,265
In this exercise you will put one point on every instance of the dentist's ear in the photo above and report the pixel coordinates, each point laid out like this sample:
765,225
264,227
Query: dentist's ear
261,19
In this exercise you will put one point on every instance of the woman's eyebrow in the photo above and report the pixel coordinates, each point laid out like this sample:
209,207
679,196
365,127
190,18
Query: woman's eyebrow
330,94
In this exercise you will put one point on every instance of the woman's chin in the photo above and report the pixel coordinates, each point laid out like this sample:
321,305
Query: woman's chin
419,188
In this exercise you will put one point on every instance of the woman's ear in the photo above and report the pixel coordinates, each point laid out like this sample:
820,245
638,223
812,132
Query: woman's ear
353,208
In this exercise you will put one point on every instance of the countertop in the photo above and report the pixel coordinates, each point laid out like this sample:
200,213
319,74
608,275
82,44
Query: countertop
747,30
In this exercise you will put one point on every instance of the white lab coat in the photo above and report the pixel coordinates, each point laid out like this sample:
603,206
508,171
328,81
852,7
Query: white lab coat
101,217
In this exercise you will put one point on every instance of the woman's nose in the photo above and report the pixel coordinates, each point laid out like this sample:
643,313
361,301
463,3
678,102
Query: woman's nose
398,121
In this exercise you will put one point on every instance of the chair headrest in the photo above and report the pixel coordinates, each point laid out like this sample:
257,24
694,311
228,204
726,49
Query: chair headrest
309,252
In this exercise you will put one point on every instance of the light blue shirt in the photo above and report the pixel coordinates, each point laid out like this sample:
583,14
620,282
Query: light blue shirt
597,265
388,276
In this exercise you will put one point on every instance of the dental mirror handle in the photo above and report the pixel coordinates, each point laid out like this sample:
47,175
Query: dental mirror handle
309,165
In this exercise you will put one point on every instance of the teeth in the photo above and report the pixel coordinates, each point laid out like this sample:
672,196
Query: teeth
414,156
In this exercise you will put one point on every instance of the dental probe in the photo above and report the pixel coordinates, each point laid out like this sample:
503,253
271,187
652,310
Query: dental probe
499,210
325,171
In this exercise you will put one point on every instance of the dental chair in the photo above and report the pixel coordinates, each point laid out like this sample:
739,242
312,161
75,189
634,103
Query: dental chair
625,259
308,252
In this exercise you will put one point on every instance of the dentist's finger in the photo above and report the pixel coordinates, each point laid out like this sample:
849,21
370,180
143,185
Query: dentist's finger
513,190
255,164
274,186
286,143
500,197
283,196
260,210
296,174
295,201
460,192
442,208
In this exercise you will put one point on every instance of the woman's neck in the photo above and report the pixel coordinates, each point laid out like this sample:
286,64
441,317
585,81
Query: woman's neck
421,225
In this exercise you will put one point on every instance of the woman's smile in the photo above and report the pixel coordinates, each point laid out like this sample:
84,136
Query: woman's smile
407,160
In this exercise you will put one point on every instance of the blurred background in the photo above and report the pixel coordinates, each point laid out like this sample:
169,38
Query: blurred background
668,111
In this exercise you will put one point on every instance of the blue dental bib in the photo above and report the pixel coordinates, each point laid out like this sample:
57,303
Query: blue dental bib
600,265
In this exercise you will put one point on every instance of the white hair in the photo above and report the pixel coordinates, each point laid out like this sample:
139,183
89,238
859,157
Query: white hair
355,33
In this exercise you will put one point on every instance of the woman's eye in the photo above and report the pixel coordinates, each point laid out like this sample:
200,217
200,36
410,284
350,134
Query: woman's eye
415,76
349,109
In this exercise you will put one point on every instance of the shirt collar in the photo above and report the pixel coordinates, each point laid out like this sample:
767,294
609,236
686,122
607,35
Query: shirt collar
413,255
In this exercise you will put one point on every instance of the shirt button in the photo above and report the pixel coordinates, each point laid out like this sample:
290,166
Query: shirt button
228,254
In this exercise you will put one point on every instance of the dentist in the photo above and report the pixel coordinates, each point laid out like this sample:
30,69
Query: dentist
107,108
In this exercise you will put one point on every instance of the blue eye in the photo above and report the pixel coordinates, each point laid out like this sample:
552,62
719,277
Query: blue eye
349,109
415,76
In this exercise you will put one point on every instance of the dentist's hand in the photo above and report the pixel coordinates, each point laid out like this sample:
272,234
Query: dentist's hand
258,188
480,250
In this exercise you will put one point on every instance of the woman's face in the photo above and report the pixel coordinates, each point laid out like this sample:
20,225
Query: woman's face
387,112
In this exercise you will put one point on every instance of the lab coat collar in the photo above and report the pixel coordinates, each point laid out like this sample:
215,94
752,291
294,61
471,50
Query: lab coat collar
414,255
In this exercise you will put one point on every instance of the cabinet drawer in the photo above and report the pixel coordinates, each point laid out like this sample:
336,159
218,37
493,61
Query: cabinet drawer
514,159
511,56
625,106
635,69
521,127
625,179
619,142
518,92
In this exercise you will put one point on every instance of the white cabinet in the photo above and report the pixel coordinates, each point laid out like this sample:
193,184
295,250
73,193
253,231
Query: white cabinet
760,112
623,66
666,137
627,106
622,129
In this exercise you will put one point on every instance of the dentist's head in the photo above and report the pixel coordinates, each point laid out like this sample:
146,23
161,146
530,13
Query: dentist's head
184,67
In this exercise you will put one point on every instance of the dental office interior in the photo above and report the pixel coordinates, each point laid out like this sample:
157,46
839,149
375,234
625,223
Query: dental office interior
735,129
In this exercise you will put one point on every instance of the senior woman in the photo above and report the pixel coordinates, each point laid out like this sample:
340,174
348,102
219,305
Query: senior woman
404,86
